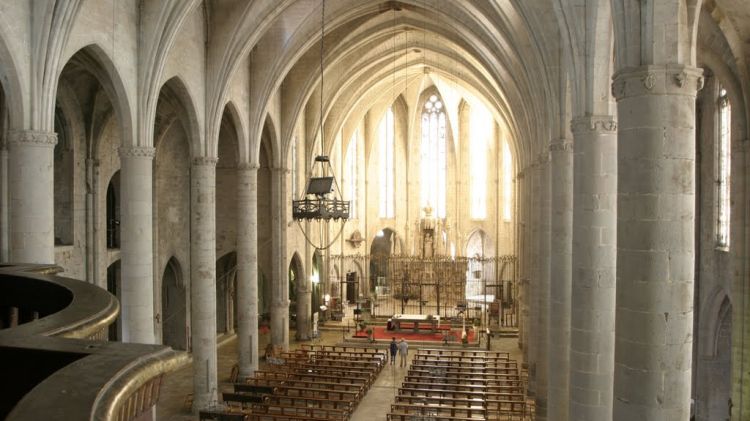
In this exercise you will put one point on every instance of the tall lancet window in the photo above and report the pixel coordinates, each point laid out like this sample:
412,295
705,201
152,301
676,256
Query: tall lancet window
507,182
351,174
433,156
387,176
723,163
480,132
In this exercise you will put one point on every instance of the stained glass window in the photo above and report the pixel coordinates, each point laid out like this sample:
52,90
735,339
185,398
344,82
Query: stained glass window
433,153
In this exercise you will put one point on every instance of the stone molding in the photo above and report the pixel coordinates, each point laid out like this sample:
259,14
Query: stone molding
32,138
281,170
670,79
561,146
205,161
594,123
137,152
247,166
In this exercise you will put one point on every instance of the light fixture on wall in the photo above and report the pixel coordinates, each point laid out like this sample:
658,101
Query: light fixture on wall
322,200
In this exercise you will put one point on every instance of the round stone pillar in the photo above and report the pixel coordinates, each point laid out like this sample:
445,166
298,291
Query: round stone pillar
561,243
31,179
247,269
532,290
280,281
655,249
203,280
136,244
4,211
543,286
592,330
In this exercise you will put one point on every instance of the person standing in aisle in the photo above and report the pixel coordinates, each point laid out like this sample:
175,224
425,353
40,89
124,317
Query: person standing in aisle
394,349
403,351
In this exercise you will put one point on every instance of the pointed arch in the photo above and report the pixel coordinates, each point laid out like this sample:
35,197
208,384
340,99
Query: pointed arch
94,59
232,113
11,81
269,143
176,91
710,320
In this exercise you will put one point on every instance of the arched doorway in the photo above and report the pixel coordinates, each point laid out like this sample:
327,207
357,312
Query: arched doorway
226,282
719,365
113,286
380,250
113,212
173,306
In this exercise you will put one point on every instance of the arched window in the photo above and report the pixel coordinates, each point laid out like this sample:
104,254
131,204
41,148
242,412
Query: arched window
507,182
387,176
481,130
723,156
351,174
433,156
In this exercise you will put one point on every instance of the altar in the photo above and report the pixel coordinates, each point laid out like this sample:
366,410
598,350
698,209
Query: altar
416,319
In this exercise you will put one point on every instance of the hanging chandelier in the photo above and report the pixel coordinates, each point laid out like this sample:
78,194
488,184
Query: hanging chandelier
321,200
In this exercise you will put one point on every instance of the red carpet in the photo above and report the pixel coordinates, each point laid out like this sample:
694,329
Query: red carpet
380,333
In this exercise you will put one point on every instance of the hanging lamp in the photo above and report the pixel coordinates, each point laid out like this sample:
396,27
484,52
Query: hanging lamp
321,201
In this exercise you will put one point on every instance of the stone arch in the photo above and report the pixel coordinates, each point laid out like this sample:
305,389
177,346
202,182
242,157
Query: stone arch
174,305
113,211
96,61
711,312
11,81
176,91
232,114
269,141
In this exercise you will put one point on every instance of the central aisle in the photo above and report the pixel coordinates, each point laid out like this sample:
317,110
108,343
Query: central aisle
377,402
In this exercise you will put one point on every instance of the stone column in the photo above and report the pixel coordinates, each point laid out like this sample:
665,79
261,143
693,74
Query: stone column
91,249
561,244
543,283
31,196
532,289
304,300
247,269
523,284
280,281
740,239
136,245
655,248
592,330
203,280
4,224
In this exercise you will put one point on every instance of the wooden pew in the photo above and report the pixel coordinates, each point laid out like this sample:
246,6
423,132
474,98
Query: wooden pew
441,412
302,411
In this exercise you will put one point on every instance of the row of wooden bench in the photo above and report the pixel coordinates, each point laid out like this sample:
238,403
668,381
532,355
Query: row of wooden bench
463,385
313,383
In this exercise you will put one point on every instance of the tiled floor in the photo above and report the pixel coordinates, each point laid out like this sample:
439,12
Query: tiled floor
374,406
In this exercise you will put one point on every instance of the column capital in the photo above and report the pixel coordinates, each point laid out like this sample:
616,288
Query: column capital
247,166
280,170
137,152
561,145
207,161
32,138
593,123
542,159
672,79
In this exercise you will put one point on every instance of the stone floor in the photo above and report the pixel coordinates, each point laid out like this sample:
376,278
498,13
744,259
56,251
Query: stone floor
374,406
